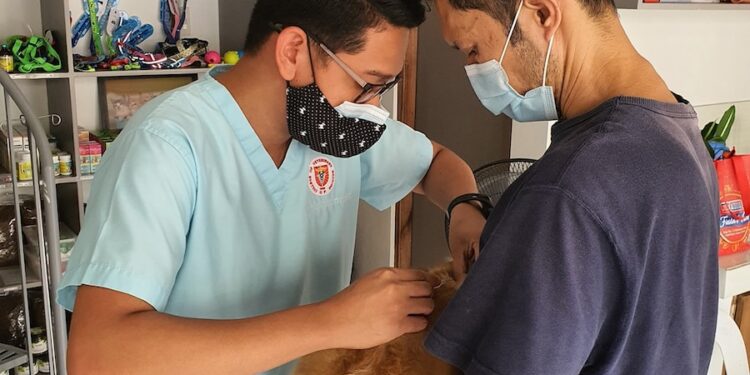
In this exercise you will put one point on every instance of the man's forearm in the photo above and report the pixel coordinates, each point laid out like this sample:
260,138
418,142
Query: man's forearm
448,177
164,344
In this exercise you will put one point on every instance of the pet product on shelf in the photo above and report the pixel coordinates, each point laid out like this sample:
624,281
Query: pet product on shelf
231,57
105,137
8,237
6,59
91,155
66,164
173,18
23,165
12,320
24,369
212,58
35,53
116,38
38,341
67,241
43,364
56,164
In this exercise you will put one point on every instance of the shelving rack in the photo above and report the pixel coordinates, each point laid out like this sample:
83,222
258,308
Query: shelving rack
62,99
45,198
56,93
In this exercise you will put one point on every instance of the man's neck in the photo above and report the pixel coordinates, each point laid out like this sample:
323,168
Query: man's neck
260,93
605,67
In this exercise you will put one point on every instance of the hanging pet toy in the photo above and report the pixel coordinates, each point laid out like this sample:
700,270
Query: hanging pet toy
173,18
83,24
96,34
126,38
90,21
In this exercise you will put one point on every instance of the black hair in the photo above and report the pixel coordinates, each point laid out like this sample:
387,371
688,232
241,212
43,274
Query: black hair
505,10
340,24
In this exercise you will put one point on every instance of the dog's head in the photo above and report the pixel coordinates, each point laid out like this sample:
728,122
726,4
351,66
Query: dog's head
403,356
444,291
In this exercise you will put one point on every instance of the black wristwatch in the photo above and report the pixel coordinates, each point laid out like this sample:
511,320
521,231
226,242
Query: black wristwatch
484,202
485,205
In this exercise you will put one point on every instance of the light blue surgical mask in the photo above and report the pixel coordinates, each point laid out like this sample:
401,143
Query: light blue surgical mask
490,83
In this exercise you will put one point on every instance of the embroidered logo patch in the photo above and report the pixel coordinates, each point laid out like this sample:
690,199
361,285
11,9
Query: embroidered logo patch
321,177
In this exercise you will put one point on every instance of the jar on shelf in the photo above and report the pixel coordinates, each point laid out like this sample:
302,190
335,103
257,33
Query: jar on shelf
24,369
24,165
38,341
56,164
66,164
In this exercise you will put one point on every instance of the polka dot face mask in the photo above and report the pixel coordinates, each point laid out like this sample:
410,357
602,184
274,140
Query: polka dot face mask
344,131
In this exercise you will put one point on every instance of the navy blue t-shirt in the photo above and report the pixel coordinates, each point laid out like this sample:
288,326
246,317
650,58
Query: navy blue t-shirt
601,259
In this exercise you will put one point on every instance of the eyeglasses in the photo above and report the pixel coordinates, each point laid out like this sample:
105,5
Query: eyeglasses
369,90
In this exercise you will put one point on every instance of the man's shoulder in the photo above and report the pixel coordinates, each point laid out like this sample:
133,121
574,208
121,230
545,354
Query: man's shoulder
179,117
620,151
180,106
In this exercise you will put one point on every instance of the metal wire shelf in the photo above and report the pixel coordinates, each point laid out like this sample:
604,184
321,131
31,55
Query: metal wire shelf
45,199
11,357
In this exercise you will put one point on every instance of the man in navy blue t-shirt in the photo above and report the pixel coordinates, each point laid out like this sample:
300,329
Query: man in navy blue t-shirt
602,258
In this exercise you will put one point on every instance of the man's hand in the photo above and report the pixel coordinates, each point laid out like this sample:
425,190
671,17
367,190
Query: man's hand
380,307
466,226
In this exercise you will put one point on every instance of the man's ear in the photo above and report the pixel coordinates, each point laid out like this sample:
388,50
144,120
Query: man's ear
548,15
291,52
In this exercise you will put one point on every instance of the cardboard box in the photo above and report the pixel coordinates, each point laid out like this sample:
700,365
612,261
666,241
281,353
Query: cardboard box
742,317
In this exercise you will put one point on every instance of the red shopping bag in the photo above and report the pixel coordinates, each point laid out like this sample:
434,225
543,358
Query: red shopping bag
734,221
742,173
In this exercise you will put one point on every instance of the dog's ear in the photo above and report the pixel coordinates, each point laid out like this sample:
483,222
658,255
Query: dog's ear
443,272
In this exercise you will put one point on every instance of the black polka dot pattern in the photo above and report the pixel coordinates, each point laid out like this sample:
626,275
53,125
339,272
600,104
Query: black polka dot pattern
316,124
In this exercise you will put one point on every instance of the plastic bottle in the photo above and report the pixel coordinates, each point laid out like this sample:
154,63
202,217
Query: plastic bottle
6,59
24,166
56,164
66,164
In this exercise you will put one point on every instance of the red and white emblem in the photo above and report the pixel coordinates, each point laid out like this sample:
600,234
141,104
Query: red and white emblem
321,176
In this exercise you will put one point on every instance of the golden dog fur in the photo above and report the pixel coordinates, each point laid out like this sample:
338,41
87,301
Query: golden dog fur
403,356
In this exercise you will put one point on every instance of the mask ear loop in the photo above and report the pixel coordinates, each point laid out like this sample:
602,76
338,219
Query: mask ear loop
510,32
546,61
309,53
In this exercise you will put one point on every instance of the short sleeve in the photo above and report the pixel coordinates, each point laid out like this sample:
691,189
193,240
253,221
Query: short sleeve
134,233
395,165
537,300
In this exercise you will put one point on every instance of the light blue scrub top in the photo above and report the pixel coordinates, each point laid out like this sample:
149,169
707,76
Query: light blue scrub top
189,213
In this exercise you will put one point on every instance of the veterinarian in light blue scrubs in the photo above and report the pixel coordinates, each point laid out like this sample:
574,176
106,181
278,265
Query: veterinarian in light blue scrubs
225,235
221,224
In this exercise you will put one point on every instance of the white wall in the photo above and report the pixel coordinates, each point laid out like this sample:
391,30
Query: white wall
16,14
704,55
202,21
530,139
87,103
